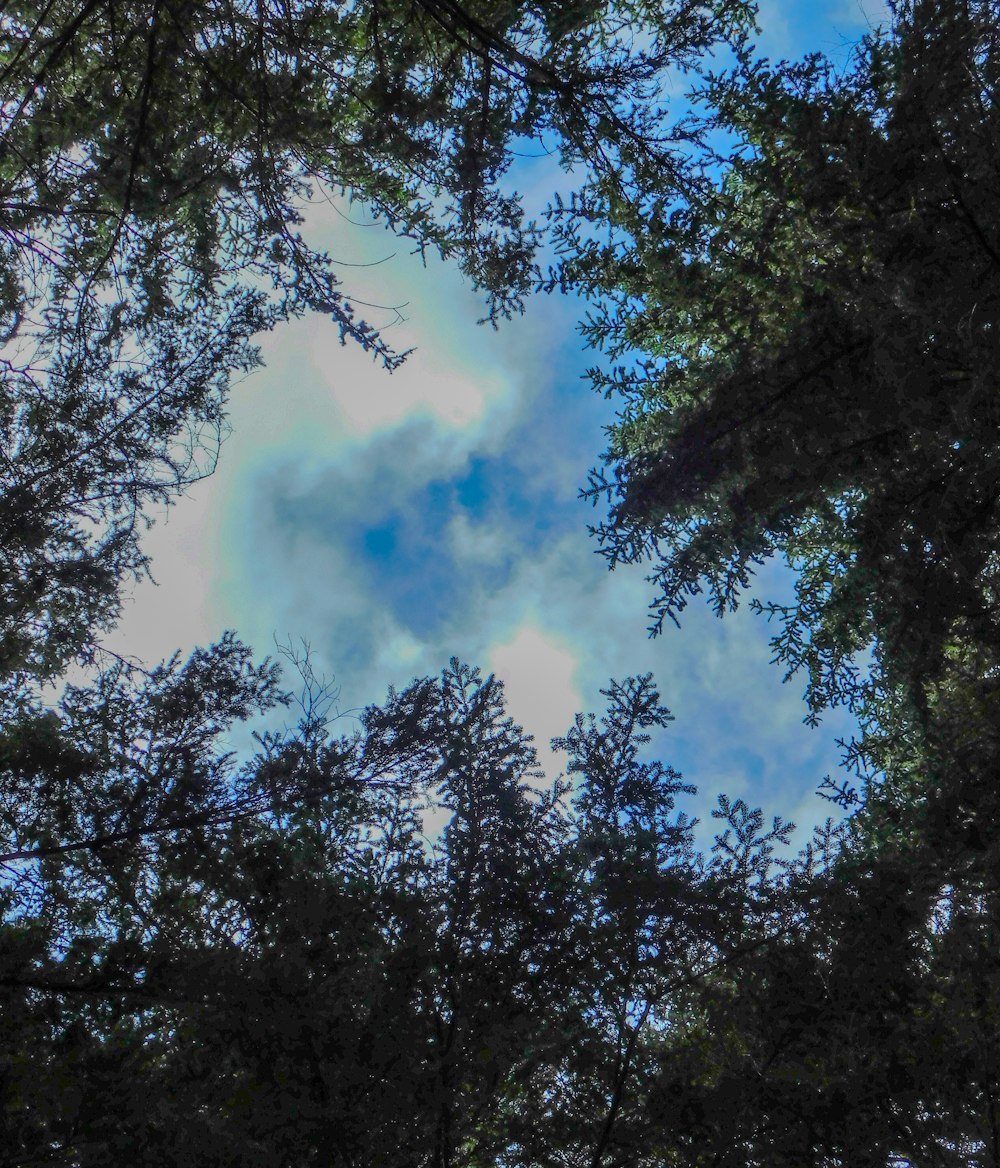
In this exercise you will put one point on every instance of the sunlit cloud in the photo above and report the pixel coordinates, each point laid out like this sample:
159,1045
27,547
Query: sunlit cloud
396,521
539,676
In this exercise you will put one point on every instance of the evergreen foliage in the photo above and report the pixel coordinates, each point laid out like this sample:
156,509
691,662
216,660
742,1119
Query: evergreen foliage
806,344
270,961
156,162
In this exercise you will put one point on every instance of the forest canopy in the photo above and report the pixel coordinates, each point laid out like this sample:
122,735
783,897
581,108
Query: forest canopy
806,352
155,164
261,959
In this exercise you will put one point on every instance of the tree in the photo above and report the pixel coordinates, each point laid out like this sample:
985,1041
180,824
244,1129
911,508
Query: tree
156,164
316,984
802,328
806,332
655,923
266,963
271,962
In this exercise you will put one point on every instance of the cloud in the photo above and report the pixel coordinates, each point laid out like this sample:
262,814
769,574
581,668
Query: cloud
538,671
397,521
394,550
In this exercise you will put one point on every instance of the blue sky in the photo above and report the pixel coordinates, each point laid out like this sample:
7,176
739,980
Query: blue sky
396,521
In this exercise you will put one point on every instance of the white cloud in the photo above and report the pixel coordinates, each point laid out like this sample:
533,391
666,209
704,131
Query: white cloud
539,675
424,387
247,552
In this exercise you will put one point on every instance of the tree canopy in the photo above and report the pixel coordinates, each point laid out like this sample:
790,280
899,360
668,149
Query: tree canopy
265,959
300,976
156,161
806,346
303,976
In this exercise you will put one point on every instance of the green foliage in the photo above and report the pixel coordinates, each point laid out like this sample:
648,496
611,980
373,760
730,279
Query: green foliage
156,161
269,962
801,317
272,963
313,982
806,334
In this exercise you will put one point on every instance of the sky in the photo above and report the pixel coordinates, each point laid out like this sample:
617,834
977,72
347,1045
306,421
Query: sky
395,521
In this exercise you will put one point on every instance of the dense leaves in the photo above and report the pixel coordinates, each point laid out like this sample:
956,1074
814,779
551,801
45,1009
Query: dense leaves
285,959
156,164
276,963
807,337
802,325
319,983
